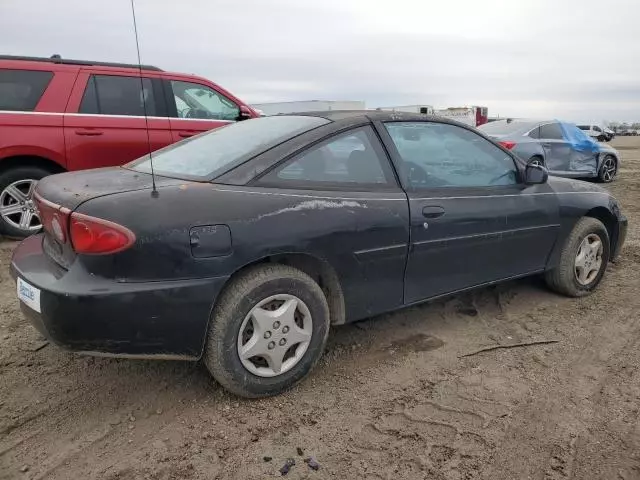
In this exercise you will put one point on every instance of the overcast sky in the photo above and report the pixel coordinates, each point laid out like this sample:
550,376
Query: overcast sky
577,60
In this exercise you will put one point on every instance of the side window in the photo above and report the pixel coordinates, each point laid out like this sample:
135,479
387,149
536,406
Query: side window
199,101
440,155
597,129
535,133
551,131
116,95
20,90
351,160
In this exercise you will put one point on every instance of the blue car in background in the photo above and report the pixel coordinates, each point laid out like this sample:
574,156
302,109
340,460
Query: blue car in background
564,149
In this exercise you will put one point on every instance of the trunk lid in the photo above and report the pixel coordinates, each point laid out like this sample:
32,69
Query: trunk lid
71,189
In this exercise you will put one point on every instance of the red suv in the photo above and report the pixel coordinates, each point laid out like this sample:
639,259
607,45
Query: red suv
59,115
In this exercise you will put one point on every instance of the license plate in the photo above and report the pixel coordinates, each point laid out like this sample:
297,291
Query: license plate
29,294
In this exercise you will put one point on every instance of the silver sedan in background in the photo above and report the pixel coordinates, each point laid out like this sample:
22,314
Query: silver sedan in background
564,149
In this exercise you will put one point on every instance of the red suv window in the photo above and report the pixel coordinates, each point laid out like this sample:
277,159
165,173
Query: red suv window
20,90
116,95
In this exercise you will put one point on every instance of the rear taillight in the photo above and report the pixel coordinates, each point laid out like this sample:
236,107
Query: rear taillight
54,218
508,145
95,236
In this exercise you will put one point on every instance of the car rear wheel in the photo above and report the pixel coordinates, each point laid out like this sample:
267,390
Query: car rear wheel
536,160
268,330
608,169
18,215
583,260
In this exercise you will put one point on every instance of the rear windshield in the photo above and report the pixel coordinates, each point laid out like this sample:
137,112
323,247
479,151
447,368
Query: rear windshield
215,152
502,127
20,90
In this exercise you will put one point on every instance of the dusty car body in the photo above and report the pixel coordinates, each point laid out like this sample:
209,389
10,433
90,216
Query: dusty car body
336,217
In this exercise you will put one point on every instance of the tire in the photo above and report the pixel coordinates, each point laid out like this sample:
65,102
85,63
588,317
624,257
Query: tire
536,160
564,278
18,177
608,170
601,138
232,311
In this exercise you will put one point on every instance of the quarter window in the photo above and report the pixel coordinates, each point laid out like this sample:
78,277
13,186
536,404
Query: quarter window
353,160
440,155
117,95
20,90
201,102
551,131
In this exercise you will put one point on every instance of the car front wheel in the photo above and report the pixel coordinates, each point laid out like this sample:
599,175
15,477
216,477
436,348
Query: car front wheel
608,169
583,260
268,330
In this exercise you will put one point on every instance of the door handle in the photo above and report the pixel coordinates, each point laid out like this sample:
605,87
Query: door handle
89,133
432,211
186,134
548,145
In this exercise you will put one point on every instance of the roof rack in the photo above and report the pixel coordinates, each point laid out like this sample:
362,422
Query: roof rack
57,59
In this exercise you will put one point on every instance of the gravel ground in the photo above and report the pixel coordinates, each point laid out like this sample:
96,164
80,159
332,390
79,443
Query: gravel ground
391,399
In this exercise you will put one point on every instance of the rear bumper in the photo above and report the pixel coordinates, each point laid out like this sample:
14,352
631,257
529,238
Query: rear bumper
80,312
621,236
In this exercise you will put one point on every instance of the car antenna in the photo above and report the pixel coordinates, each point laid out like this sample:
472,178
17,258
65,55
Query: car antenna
154,190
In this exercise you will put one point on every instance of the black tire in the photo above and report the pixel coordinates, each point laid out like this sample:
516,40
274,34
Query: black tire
562,279
536,160
601,138
238,299
606,174
12,175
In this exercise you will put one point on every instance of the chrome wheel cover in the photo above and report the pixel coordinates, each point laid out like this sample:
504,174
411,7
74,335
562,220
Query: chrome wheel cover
588,261
275,335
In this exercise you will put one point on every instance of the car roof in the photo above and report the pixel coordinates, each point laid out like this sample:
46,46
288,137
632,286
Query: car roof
374,115
81,63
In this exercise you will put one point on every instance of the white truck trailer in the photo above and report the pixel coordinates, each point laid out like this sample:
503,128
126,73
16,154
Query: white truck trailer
275,108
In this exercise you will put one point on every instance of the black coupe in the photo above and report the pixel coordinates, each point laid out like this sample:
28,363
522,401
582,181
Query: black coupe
256,237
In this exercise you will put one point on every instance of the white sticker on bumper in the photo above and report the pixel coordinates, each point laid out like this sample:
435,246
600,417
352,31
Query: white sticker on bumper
29,294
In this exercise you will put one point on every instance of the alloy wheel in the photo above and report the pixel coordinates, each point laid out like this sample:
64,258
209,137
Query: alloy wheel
609,169
275,335
17,207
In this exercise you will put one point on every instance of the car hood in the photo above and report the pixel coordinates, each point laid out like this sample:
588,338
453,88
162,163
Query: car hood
608,148
73,188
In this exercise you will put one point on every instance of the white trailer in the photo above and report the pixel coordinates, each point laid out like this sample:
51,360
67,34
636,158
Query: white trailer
473,116
424,109
275,108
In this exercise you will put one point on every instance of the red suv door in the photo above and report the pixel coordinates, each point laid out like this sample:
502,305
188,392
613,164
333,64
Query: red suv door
113,118
197,107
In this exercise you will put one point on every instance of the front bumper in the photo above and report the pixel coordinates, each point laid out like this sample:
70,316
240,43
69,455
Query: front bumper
85,313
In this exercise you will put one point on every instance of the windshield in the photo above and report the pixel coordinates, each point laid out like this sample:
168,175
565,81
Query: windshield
212,153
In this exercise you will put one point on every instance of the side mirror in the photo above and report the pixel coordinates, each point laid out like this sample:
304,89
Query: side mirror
535,175
245,113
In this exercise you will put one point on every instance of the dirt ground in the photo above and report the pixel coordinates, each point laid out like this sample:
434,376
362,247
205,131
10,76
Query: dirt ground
391,399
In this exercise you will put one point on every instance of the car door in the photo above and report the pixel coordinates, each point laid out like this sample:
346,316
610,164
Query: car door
472,220
557,149
114,119
342,198
195,108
